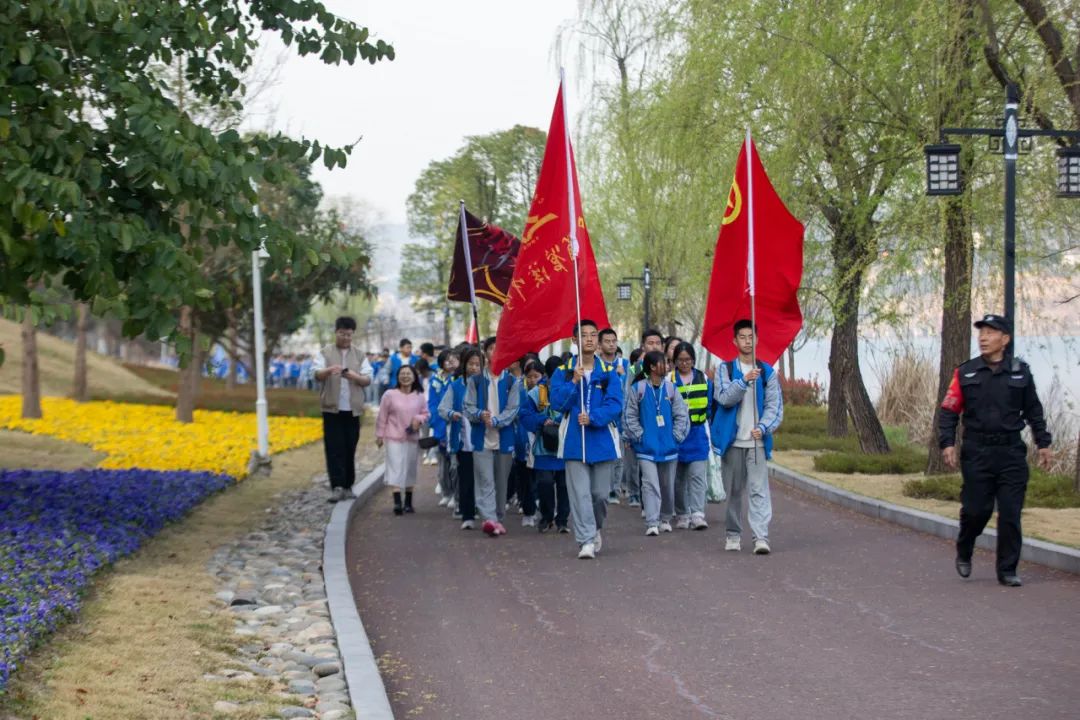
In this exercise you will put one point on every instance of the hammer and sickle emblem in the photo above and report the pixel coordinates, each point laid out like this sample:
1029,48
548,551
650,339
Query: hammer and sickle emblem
734,204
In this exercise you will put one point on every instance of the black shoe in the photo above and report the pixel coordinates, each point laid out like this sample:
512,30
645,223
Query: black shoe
1010,580
408,502
543,527
963,567
563,530
397,504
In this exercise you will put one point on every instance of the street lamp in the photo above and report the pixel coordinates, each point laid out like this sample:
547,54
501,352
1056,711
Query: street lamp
943,175
262,420
1068,161
624,290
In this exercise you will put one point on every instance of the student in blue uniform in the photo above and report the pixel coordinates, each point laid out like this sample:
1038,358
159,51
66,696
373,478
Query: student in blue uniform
692,471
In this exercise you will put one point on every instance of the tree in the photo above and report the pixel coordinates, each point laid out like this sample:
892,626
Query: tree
103,172
496,175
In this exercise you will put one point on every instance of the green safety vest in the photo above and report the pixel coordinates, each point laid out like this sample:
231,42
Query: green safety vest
696,395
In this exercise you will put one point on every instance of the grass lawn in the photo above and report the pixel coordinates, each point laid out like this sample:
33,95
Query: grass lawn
214,395
38,452
149,630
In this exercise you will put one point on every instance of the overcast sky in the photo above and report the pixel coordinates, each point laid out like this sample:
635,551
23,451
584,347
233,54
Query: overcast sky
461,68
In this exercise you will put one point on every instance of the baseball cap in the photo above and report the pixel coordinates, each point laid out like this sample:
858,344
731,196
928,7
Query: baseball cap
998,322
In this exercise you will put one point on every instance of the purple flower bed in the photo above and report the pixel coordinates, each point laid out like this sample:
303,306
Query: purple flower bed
58,528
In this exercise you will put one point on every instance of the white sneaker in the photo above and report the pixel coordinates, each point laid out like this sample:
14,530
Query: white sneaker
444,501
588,552
682,522
528,521
468,525
761,547
697,522
438,489
598,541
665,526
652,531
733,543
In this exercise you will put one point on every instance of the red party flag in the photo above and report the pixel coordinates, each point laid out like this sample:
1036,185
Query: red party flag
759,260
492,253
540,307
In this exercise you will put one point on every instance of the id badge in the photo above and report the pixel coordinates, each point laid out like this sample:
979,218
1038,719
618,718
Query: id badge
659,421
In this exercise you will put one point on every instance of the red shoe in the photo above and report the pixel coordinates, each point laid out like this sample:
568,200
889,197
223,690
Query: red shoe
500,529
489,527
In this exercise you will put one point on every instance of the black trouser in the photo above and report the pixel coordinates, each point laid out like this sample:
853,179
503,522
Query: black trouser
992,472
466,490
551,487
341,433
523,483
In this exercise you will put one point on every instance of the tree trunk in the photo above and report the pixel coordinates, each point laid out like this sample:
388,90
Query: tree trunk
846,375
31,380
189,376
234,350
955,313
780,368
1076,482
79,391
791,361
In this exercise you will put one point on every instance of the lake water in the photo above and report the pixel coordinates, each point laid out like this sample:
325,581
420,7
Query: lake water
1050,358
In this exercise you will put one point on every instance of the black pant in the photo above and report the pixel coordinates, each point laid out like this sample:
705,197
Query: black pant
523,484
992,472
341,433
551,488
466,490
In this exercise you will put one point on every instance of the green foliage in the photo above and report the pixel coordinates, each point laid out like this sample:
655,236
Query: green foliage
1044,489
113,189
900,460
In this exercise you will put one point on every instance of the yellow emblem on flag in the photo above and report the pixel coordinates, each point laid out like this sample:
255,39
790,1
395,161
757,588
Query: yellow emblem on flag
734,204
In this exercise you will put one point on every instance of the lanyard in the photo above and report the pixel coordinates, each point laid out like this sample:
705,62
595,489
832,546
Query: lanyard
657,402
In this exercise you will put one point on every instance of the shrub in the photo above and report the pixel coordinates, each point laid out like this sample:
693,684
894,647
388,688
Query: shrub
802,392
1048,490
908,393
900,461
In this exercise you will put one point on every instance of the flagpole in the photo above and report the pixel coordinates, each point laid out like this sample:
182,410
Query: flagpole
572,210
466,247
750,264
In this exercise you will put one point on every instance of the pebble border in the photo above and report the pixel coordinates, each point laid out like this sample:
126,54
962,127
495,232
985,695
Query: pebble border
1052,555
365,685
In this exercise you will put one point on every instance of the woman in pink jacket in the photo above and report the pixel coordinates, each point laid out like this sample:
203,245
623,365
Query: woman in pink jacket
402,411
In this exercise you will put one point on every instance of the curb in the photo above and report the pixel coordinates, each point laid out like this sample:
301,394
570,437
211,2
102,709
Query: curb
366,690
1052,555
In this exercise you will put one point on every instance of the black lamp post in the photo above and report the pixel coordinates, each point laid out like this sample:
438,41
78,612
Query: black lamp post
624,290
943,176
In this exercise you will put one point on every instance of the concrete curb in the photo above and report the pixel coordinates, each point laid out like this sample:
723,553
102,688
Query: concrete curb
1058,557
366,690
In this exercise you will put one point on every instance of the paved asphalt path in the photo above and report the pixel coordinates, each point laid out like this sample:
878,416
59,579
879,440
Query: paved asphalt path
849,618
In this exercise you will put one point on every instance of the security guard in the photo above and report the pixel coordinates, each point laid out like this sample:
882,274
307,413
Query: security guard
996,395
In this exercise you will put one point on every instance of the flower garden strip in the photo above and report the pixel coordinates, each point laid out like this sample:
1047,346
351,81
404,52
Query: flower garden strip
57,529
148,436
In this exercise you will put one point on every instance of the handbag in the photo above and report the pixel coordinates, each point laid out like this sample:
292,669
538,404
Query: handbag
426,443
549,436
715,492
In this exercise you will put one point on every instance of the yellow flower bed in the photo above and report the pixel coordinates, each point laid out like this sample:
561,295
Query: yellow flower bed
149,437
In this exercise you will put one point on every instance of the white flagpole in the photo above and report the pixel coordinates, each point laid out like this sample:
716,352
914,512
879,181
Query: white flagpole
467,249
750,266
572,210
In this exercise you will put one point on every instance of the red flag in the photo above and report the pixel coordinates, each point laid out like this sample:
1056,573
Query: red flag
541,304
493,252
773,270
472,335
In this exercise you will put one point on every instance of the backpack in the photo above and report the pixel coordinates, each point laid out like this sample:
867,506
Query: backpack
669,387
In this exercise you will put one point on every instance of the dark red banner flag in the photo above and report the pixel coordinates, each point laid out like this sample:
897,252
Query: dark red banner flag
493,252
541,307
772,270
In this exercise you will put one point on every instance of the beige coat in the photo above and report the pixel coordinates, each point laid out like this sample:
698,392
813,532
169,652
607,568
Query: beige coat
331,386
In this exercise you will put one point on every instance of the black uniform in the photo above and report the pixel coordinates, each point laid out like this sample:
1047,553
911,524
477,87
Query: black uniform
995,401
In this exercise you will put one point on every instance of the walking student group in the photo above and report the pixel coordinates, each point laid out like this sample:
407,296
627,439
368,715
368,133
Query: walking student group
561,440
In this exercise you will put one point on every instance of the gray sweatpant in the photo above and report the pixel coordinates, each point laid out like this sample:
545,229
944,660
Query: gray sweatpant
631,472
743,468
588,486
657,490
491,470
691,487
